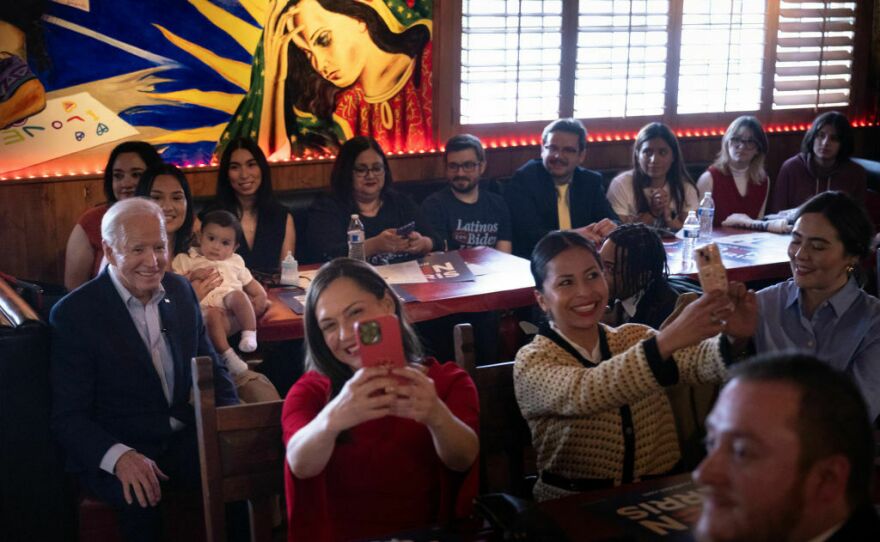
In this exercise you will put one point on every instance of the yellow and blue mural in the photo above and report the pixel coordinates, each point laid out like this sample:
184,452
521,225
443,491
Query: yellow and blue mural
298,76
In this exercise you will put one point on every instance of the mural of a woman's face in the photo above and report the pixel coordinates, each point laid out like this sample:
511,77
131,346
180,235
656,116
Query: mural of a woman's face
333,43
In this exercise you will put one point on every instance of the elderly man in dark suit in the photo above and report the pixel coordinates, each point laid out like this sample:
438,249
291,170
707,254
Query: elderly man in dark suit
121,350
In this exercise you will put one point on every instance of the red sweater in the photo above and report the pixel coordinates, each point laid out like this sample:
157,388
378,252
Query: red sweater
386,476
90,222
728,200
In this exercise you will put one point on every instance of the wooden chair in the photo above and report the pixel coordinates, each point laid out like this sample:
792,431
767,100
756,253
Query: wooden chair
507,458
242,456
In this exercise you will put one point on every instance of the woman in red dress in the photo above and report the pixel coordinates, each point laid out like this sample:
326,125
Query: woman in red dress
372,451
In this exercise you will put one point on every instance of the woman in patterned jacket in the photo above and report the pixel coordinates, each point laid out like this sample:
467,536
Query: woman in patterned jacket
592,394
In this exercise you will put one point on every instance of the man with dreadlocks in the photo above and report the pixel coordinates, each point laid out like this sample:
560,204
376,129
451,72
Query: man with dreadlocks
636,272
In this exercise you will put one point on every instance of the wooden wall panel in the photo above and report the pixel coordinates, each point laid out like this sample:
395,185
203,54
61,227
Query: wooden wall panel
36,215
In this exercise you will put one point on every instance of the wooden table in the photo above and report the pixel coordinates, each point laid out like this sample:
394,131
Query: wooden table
763,259
505,282
594,516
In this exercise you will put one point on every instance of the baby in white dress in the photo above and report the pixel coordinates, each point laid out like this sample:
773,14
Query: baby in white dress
235,296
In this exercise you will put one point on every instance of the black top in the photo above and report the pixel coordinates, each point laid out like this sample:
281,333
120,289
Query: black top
656,304
265,255
461,224
327,234
531,198
863,525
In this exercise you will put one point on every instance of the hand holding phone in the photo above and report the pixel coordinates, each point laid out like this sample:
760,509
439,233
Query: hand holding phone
713,275
406,229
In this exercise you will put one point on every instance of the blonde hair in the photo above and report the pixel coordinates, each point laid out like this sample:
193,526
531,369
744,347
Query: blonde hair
756,172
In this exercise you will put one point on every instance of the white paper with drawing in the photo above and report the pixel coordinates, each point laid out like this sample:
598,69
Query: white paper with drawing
67,125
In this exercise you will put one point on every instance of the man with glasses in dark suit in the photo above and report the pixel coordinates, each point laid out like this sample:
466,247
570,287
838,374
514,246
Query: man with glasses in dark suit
556,193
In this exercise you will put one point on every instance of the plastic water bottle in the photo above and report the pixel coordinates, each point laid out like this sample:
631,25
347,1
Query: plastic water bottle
356,238
289,271
690,232
706,212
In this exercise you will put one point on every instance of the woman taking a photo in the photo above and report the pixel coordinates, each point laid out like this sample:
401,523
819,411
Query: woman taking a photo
126,164
594,395
657,191
822,309
737,179
372,450
823,164
361,184
244,188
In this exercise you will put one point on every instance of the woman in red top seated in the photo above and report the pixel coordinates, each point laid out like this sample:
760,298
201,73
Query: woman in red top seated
737,179
370,453
126,164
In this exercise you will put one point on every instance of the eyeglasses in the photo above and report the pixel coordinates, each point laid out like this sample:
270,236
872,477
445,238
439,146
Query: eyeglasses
749,143
363,171
564,151
467,167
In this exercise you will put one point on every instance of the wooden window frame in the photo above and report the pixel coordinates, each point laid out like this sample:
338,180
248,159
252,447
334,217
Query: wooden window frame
447,80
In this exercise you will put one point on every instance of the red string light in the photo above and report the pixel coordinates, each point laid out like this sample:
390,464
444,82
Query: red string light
491,143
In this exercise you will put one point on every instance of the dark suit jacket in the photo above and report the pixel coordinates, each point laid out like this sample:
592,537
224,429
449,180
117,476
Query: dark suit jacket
104,385
863,525
531,196
655,305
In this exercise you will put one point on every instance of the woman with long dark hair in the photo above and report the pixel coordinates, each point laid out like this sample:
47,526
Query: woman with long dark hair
822,309
126,164
167,186
373,450
361,183
244,188
657,191
326,70
823,164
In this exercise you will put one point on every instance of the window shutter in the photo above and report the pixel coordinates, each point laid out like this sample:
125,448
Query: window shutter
510,58
722,52
621,58
814,54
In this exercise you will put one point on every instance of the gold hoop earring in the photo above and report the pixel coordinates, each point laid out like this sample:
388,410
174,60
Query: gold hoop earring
850,268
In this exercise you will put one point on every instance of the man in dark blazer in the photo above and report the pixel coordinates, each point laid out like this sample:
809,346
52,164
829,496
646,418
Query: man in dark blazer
790,456
555,193
121,350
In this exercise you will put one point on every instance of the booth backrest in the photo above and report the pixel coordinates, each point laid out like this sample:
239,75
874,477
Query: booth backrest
299,201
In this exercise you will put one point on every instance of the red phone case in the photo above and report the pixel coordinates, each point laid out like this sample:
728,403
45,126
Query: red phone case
380,343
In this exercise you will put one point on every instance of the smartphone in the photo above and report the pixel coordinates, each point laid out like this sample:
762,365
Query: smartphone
407,229
380,343
713,275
